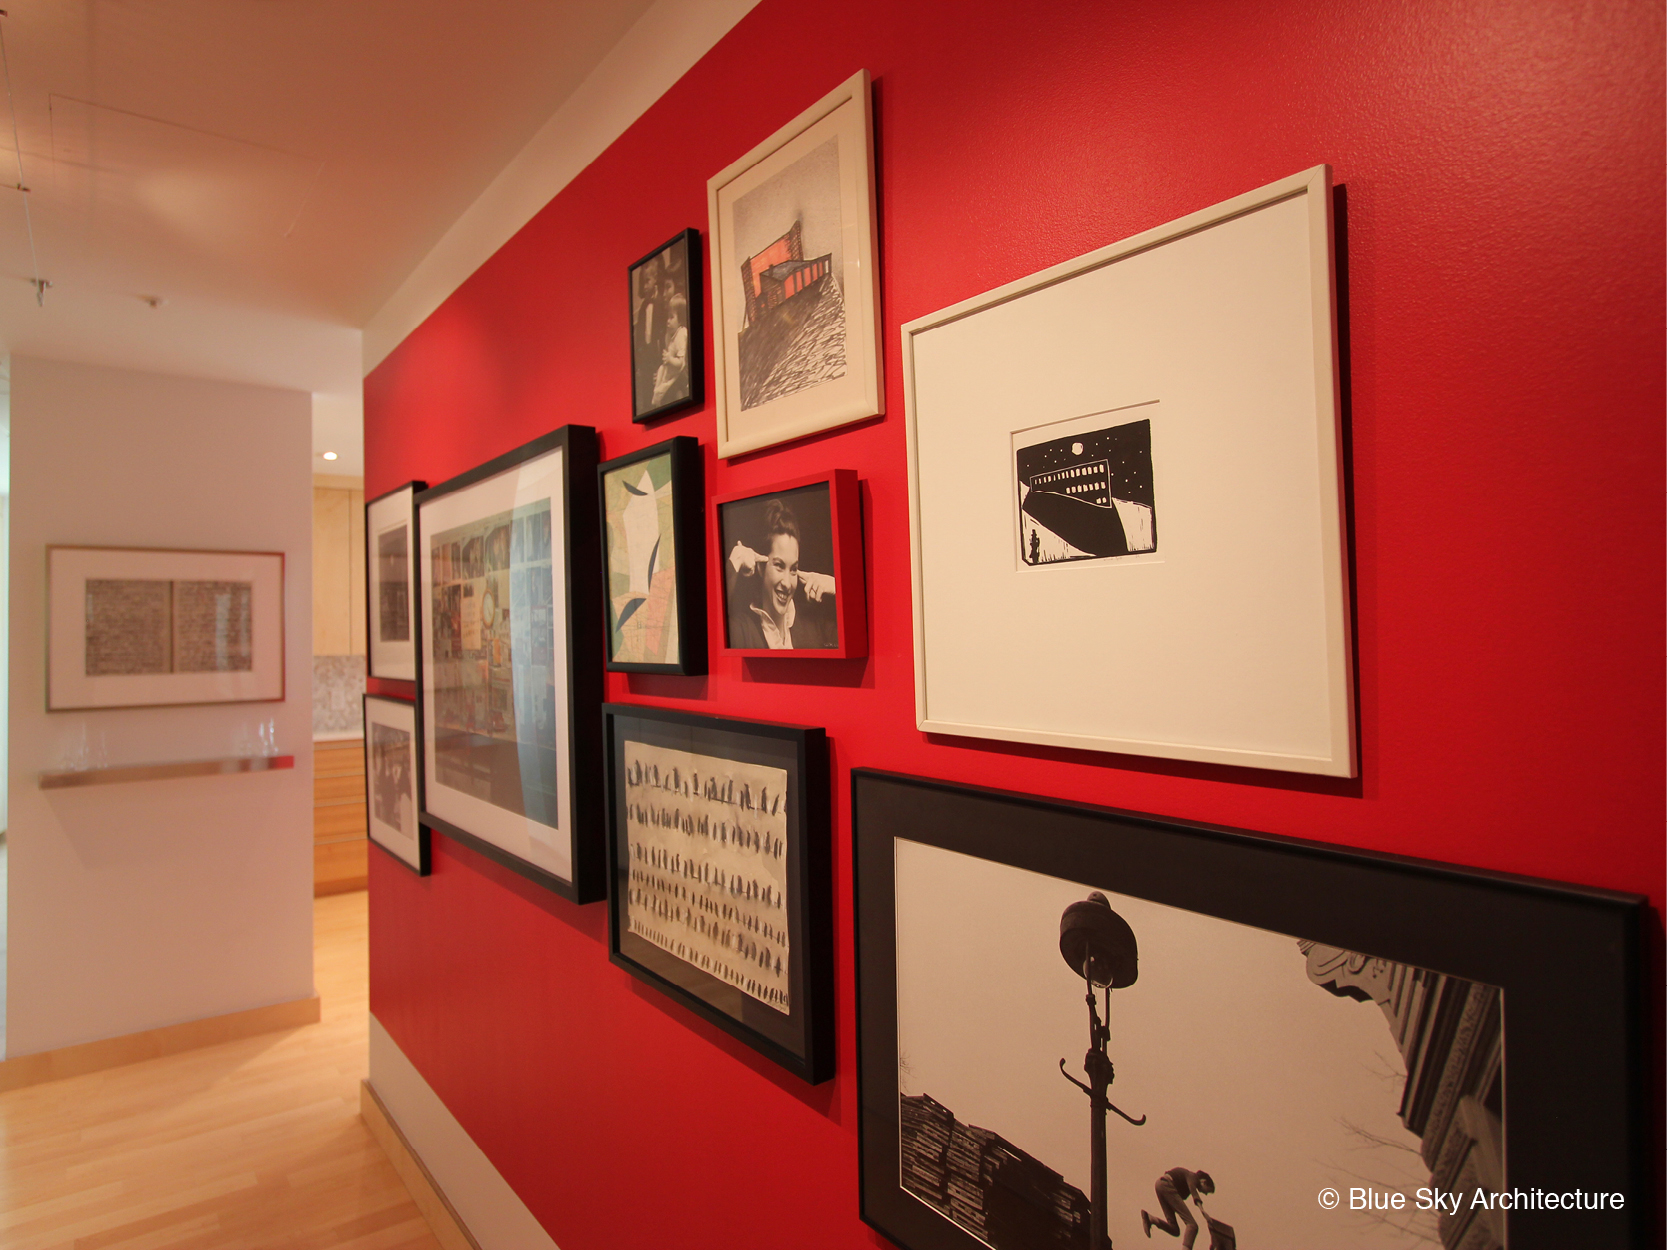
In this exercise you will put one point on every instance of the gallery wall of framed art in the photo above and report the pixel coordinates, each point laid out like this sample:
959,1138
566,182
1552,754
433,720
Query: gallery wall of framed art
509,676
1358,576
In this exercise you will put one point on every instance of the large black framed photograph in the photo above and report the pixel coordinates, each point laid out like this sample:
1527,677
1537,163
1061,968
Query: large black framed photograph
667,348
1081,1027
720,874
390,573
654,559
510,669
393,789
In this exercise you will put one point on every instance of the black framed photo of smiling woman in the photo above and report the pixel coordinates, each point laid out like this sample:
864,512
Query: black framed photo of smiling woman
790,563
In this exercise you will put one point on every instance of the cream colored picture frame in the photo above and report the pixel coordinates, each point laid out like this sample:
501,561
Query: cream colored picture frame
1219,630
162,627
808,187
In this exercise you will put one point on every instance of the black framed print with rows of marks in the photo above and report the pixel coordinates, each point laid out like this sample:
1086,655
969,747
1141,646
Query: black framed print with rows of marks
510,668
719,889
1083,1027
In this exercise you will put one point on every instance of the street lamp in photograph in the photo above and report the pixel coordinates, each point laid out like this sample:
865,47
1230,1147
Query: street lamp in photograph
1098,945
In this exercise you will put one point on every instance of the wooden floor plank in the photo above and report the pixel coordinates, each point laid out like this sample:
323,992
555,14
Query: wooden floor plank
254,1144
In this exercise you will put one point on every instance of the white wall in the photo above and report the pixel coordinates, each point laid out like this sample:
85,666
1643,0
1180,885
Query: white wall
140,905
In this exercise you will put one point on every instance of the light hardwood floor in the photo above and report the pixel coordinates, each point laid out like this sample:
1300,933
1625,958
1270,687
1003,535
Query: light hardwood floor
249,1145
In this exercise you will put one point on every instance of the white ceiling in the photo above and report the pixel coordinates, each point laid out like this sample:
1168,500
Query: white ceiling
232,188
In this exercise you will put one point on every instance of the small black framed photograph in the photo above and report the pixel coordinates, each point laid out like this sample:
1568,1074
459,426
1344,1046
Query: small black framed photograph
1084,1027
390,573
509,674
720,874
654,559
393,788
667,348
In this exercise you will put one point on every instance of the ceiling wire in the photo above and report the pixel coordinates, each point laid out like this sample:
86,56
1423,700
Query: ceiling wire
22,186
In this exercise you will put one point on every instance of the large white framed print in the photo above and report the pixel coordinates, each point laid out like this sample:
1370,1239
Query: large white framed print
510,669
393,791
1126,497
795,285
148,627
390,573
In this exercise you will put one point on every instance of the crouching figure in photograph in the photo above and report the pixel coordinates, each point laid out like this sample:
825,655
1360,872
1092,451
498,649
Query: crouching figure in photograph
1174,1187
773,603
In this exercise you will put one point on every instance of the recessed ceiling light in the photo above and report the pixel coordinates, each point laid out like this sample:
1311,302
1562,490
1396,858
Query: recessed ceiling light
329,455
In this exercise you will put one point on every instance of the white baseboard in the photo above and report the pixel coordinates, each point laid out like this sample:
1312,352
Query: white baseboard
495,1217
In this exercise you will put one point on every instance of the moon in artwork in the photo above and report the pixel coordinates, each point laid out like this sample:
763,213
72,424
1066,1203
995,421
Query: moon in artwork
1076,449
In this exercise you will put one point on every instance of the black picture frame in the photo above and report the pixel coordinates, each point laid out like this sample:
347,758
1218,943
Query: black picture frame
577,770
1573,1117
688,519
420,852
683,250
800,1038
390,672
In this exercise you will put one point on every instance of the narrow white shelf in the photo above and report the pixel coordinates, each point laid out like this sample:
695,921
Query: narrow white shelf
64,779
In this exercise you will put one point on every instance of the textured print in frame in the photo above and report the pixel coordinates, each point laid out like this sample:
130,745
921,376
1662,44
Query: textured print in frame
719,889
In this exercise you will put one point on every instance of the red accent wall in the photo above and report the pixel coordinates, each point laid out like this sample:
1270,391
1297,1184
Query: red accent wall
1503,166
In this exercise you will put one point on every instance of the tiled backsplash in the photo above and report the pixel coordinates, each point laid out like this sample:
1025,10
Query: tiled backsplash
338,686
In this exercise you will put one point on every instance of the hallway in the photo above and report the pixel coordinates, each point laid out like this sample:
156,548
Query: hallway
249,1145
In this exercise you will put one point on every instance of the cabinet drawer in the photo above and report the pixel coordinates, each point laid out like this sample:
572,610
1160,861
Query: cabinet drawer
345,820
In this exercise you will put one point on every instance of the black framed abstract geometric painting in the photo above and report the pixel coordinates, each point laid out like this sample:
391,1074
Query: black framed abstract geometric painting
510,671
393,767
718,846
668,351
654,559
390,573
1081,1028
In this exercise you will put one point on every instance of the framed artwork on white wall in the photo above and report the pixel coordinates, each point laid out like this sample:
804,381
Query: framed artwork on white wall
795,287
391,572
146,627
1125,482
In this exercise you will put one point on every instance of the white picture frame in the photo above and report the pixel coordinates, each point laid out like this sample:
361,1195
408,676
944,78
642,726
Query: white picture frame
808,187
1184,385
390,530
153,627
393,790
